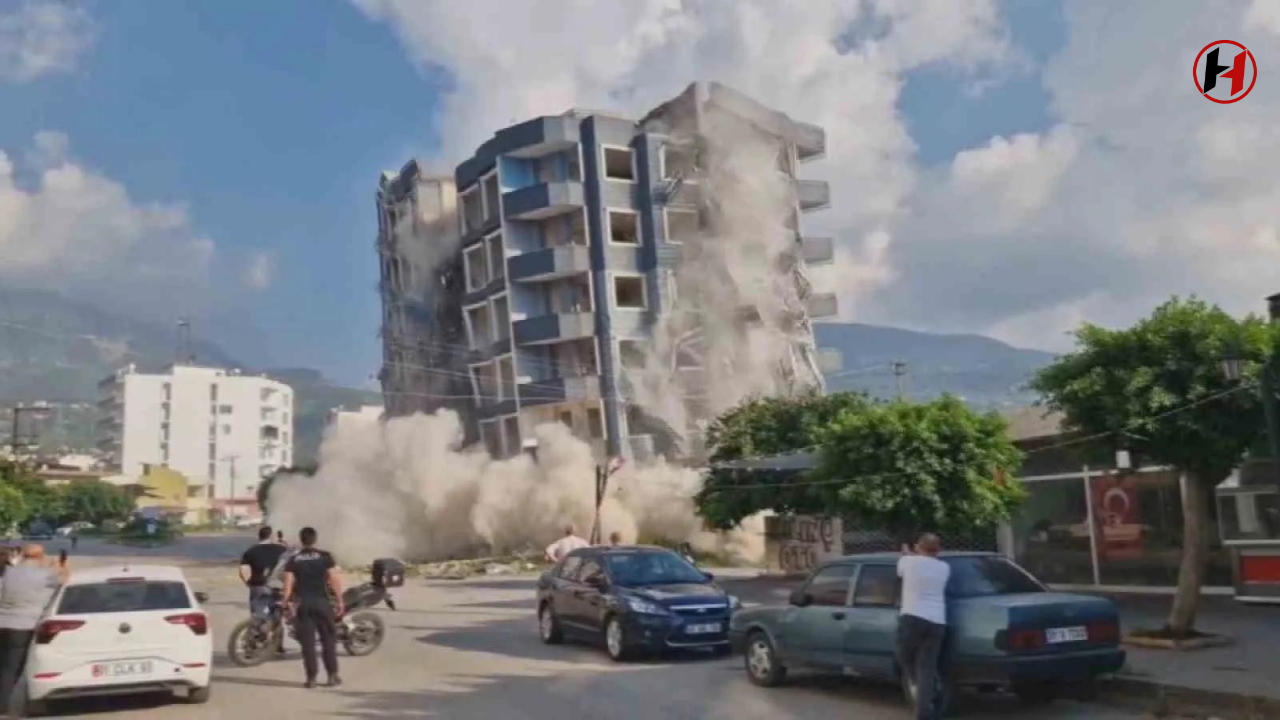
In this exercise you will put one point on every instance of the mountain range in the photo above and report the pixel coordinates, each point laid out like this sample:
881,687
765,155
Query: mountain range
57,350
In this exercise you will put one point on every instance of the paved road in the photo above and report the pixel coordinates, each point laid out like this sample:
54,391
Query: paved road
469,649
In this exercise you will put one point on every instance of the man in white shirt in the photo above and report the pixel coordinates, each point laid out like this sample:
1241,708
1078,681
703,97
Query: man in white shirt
565,545
922,622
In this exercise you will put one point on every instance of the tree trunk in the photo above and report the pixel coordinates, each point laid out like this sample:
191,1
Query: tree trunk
1195,545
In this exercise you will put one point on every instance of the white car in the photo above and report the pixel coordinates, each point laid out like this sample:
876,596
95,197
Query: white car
76,526
121,631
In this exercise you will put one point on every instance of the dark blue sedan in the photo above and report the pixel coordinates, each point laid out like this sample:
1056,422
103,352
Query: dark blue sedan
635,600
1004,628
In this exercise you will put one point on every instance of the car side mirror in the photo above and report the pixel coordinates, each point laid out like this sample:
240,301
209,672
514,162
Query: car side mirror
708,576
598,582
202,597
800,598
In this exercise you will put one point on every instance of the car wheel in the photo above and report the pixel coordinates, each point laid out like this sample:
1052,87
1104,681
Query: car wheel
764,667
615,640
549,626
198,696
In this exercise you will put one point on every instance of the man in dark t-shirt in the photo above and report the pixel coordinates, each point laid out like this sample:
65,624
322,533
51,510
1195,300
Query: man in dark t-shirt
312,585
255,567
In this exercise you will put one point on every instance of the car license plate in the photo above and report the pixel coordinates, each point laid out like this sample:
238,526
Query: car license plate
704,629
122,669
1066,634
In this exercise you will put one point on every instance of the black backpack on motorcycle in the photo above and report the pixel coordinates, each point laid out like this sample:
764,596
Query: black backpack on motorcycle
388,573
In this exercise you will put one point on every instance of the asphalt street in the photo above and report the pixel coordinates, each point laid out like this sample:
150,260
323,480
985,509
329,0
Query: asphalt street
469,649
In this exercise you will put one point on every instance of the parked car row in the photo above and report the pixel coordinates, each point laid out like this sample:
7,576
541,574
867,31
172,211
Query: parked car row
1006,629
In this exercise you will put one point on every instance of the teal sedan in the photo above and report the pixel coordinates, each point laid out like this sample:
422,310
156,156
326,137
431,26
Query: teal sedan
1005,629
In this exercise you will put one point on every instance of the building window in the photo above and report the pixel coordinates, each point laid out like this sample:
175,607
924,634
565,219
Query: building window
501,318
629,293
226,429
507,378
624,227
619,164
511,433
286,418
284,437
497,259
491,196
213,392
484,382
632,354
477,268
681,225
595,423
479,328
164,451
677,162
491,434
566,417
168,392
213,452
225,409
213,473
472,210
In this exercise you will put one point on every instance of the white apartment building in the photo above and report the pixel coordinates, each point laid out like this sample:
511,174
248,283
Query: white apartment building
225,431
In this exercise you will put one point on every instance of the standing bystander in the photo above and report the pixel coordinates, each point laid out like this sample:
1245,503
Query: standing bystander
922,622
565,545
27,588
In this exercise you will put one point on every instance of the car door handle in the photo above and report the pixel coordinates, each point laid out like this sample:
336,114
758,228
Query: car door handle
837,615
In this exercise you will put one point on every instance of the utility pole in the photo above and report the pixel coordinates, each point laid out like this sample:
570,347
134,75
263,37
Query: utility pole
184,340
899,370
231,460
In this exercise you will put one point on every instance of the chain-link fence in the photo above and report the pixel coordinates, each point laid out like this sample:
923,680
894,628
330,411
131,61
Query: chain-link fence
869,541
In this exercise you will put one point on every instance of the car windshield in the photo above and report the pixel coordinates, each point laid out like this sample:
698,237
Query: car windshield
979,576
651,568
135,596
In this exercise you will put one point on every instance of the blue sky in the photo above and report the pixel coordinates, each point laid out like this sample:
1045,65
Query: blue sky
270,121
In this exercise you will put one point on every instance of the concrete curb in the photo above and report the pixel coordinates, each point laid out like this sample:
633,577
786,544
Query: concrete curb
1162,699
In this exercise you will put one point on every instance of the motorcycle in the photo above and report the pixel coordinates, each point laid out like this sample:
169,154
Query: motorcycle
360,633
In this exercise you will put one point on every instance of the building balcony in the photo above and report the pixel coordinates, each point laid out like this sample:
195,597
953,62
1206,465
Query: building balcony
542,200
813,194
549,264
561,327
823,305
559,389
810,140
817,250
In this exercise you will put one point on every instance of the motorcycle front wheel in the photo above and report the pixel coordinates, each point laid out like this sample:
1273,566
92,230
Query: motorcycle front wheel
250,643
364,633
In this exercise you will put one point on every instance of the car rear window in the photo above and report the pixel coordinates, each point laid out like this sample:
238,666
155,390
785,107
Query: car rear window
133,596
978,576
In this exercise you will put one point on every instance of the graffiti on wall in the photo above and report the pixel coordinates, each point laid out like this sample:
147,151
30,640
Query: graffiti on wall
798,543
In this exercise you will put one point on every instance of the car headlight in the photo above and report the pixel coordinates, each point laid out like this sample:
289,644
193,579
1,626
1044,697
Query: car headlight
734,603
645,607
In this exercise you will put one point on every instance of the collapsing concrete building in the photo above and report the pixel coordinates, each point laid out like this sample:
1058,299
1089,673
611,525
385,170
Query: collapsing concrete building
629,279
423,338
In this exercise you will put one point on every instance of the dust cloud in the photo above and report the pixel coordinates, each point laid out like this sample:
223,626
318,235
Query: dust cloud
408,488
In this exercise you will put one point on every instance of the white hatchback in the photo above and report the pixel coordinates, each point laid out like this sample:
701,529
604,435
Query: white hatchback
120,631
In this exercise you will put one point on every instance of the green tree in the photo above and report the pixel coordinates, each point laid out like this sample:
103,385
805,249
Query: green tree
94,502
1134,384
912,467
894,466
40,501
762,427
13,508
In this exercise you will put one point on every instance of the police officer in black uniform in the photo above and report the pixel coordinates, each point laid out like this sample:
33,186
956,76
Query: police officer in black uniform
312,587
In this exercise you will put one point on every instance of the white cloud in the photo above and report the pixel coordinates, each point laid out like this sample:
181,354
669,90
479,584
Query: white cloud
66,227
42,37
838,63
259,271
1143,191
